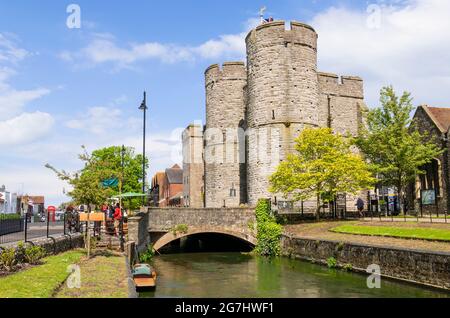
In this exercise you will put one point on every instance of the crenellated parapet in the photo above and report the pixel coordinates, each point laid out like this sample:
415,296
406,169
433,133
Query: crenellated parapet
229,71
345,86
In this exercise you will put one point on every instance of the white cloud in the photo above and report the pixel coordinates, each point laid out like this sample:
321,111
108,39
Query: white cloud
25,128
12,101
98,120
104,49
409,49
18,127
9,51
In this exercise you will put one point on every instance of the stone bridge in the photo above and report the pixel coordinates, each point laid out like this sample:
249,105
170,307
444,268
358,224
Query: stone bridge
158,225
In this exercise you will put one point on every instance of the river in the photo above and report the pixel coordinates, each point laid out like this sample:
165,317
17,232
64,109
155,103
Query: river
236,275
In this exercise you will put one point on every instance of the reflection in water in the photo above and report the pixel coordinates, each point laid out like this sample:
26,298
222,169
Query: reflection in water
243,276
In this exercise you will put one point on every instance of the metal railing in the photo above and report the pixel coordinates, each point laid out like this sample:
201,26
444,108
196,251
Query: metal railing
335,211
14,228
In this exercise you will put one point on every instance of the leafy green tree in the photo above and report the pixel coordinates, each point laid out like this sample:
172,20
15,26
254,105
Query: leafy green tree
395,150
101,165
323,166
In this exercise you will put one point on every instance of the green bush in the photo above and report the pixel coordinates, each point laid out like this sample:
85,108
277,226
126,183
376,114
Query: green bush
33,254
181,228
148,255
348,267
8,259
268,231
20,253
9,217
332,262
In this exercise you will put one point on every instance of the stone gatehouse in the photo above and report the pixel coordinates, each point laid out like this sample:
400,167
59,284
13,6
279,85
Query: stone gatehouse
255,110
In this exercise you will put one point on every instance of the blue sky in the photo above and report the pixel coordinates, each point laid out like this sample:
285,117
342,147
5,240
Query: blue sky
61,88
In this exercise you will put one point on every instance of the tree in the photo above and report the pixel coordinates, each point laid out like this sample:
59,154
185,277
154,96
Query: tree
323,166
104,164
396,152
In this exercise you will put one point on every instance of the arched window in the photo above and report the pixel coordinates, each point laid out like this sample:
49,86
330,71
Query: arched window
430,180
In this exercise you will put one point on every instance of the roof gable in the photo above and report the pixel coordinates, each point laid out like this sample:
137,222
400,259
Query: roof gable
440,116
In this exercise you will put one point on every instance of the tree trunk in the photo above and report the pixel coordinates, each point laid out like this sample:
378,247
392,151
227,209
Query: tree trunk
318,208
400,197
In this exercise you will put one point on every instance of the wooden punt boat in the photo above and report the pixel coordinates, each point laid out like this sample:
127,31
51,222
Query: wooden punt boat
144,276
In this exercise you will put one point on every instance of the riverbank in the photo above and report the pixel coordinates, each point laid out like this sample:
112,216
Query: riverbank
413,260
104,275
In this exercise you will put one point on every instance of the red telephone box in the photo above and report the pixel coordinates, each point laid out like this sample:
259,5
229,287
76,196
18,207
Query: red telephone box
52,213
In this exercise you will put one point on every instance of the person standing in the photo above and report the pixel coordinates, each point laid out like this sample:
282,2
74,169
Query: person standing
360,206
117,218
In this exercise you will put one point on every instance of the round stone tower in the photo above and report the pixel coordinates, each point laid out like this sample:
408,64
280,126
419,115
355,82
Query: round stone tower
225,110
283,97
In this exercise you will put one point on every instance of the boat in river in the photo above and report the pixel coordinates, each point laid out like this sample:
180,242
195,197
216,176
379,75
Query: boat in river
144,276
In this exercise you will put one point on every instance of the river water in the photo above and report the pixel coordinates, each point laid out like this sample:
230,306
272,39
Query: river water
236,275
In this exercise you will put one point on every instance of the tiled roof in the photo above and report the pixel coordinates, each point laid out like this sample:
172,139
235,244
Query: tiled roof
440,116
175,175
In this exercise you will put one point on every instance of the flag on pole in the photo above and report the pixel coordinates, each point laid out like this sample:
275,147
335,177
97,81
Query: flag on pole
110,183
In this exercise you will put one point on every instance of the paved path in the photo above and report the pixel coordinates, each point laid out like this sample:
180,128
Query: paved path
321,231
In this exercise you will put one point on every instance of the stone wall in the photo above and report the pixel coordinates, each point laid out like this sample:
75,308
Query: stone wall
60,244
166,219
138,230
416,266
193,167
282,97
225,110
425,125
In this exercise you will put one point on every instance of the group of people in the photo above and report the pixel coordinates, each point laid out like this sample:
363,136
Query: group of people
115,214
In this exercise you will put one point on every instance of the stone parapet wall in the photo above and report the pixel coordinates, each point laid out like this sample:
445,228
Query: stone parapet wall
432,269
168,218
60,244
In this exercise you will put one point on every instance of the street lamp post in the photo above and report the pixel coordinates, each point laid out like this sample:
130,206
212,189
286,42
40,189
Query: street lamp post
144,108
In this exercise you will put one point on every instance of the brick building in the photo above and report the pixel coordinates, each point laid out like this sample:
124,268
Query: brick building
167,187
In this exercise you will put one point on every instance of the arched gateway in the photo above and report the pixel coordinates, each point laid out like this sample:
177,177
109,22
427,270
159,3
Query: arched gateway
166,225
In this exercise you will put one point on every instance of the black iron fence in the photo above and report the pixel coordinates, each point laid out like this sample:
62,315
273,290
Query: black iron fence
338,210
14,228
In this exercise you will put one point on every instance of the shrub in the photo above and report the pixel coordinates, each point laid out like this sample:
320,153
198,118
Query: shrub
332,262
20,253
348,267
268,231
10,217
148,255
33,254
8,259
181,228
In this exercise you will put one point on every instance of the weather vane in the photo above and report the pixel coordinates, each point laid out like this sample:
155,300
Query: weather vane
261,14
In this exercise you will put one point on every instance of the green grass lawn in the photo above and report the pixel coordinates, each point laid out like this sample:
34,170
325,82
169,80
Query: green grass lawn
40,281
104,276
387,231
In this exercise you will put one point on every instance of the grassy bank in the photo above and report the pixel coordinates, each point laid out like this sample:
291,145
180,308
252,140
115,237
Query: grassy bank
396,232
104,276
40,281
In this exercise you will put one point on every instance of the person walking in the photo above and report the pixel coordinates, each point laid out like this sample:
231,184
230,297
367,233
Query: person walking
117,218
360,206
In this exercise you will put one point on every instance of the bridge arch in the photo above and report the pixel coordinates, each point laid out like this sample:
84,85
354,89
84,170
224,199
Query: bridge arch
171,237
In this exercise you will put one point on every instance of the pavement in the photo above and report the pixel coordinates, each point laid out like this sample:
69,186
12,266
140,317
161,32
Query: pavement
35,231
318,231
